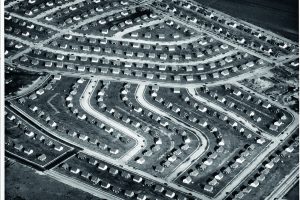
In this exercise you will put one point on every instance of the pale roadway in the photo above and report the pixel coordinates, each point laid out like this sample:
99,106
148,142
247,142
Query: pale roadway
141,41
251,167
270,149
276,103
74,25
12,3
161,83
85,101
240,178
139,94
246,123
60,32
112,161
294,124
275,140
122,59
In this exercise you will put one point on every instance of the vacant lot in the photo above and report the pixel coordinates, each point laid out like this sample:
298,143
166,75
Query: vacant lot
17,80
24,183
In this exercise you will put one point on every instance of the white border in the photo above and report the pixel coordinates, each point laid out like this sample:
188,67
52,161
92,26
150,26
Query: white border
2,164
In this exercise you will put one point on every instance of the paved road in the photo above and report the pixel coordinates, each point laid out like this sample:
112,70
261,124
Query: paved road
60,32
173,84
246,123
151,42
86,106
12,3
276,141
115,57
276,103
203,143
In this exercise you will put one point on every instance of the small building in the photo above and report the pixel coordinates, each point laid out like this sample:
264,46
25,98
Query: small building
240,160
215,75
105,185
95,180
208,188
273,127
203,77
129,193
102,166
42,157
141,197
254,184
159,188
187,180
40,91
219,176
140,160
75,170
237,92
266,105
170,194
137,179
213,182
114,151
261,140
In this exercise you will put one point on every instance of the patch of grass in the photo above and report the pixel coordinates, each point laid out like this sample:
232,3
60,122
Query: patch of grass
24,183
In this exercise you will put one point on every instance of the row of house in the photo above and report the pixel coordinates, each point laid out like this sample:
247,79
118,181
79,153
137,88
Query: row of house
128,177
26,30
91,9
258,178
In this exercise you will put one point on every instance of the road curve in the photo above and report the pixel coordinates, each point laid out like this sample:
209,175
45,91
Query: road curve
203,141
193,93
86,106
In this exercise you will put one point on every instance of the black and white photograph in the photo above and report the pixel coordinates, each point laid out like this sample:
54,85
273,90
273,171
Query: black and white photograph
149,100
